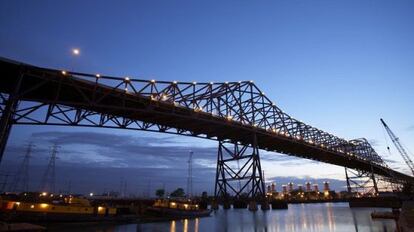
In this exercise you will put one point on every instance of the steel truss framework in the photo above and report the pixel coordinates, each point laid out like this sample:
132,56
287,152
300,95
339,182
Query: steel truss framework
235,179
240,102
39,96
369,184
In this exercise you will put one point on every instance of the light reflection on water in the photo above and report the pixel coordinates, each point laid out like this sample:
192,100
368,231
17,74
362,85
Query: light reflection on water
299,217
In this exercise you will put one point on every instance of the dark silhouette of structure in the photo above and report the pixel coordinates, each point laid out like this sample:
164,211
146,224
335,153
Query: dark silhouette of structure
48,183
21,180
396,141
237,114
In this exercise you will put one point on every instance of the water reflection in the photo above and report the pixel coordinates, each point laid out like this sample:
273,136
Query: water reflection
299,217
196,225
172,227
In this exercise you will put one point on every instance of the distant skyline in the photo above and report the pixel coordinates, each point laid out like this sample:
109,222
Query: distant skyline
336,65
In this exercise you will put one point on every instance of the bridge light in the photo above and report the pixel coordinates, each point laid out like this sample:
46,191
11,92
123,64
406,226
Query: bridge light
126,89
174,82
98,75
251,81
152,81
226,82
63,72
274,130
127,79
262,93
211,83
164,97
229,117
194,83
240,82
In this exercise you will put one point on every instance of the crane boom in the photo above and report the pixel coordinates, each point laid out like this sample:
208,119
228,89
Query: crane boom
399,147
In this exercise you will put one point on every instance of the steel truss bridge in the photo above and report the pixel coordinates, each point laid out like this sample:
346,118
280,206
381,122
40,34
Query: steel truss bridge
236,114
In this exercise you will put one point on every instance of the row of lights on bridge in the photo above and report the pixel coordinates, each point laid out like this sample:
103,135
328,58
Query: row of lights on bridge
127,79
76,52
164,97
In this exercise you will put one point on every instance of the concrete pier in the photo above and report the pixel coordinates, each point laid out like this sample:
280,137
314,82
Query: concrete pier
265,205
226,205
214,205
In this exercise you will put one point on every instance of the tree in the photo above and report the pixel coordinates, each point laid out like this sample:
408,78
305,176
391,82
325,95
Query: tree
179,192
160,193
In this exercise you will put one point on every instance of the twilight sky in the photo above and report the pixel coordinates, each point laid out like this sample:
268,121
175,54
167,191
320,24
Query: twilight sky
337,65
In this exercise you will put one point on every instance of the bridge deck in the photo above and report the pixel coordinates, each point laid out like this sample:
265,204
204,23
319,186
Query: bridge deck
53,87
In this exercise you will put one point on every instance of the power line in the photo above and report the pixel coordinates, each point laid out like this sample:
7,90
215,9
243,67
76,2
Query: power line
21,180
49,178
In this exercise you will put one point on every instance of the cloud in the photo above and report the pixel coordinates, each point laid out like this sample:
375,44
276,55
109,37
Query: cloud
272,156
374,142
119,150
97,161
390,161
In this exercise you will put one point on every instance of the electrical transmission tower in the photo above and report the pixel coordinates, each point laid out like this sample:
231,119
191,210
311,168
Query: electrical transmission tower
21,180
190,175
49,178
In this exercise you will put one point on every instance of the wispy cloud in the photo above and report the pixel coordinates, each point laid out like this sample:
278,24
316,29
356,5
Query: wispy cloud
391,161
374,142
119,150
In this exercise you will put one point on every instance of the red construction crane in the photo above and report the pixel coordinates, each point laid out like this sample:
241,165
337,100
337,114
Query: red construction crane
399,147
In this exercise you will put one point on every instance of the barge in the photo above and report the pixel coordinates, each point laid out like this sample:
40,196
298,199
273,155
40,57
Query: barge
177,209
44,207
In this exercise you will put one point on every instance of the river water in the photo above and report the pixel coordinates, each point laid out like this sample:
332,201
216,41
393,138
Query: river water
299,217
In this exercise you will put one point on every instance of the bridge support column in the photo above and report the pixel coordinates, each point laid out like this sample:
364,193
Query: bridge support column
362,182
348,184
6,122
9,104
374,181
239,173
